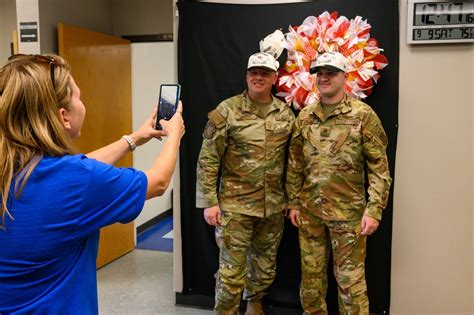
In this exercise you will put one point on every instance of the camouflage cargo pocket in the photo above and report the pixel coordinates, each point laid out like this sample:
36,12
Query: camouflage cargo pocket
221,228
348,247
225,217
358,289
236,231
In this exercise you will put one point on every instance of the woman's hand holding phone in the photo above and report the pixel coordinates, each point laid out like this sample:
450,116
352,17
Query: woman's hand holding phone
147,131
172,127
175,126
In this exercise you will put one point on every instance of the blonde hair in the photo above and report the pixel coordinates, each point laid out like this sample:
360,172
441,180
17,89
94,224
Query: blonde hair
30,123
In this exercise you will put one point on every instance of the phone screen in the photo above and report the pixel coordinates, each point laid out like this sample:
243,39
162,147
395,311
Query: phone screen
167,103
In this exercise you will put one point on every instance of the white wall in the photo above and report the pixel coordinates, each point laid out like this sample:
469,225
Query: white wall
177,240
432,266
152,65
7,25
95,15
472,201
142,17
28,11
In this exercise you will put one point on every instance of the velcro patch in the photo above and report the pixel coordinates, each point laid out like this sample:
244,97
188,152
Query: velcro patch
209,130
383,137
216,117
353,121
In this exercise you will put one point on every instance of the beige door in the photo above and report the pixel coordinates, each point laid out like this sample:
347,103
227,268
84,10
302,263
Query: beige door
101,67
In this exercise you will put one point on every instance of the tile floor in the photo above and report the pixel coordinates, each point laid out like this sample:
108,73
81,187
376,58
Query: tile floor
140,282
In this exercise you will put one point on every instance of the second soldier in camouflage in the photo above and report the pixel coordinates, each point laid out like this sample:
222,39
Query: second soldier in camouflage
334,143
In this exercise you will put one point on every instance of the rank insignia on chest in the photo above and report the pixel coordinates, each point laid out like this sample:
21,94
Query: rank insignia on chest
209,130
325,131
348,121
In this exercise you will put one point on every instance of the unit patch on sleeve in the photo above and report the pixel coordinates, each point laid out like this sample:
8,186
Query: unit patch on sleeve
209,130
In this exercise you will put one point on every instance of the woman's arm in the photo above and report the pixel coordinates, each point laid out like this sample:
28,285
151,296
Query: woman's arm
113,152
160,174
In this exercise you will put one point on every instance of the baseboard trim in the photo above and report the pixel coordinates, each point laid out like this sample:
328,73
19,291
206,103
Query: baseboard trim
207,302
153,221
195,301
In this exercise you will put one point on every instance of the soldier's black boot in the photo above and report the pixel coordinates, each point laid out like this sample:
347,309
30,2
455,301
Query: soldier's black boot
254,308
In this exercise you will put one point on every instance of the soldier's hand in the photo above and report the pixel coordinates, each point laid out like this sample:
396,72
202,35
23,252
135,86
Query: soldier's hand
212,215
369,225
295,217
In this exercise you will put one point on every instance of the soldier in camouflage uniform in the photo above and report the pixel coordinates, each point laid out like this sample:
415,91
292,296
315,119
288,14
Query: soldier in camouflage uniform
246,139
332,142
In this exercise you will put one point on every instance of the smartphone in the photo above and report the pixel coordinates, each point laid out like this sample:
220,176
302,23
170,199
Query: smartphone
167,103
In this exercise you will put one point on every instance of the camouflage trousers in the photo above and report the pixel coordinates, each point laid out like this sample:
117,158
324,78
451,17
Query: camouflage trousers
247,260
316,238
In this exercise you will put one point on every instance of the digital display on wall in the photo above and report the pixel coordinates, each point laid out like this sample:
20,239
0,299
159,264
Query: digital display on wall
443,33
444,13
437,21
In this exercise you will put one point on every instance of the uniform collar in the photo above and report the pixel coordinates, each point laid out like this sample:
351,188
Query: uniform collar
248,106
343,107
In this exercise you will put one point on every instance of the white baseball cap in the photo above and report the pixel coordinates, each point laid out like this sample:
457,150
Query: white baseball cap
273,44
263,60
333,61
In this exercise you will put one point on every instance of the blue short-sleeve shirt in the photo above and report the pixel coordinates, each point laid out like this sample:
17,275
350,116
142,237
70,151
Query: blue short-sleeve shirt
48,251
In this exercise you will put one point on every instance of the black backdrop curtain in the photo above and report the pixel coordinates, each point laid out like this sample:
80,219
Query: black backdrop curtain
215,41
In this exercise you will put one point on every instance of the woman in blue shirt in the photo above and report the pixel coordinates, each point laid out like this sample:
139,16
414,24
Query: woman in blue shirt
54,202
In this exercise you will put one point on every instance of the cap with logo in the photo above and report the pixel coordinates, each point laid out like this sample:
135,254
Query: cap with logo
273,44
333,61
263,60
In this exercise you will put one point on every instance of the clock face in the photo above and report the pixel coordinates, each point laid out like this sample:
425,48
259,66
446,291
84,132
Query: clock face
437,21
443,13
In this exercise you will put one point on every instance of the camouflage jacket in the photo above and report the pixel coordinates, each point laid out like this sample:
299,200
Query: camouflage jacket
250,151
327,159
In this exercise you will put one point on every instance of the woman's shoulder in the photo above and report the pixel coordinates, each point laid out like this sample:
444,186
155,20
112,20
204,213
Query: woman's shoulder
66,167
80,165
77,161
